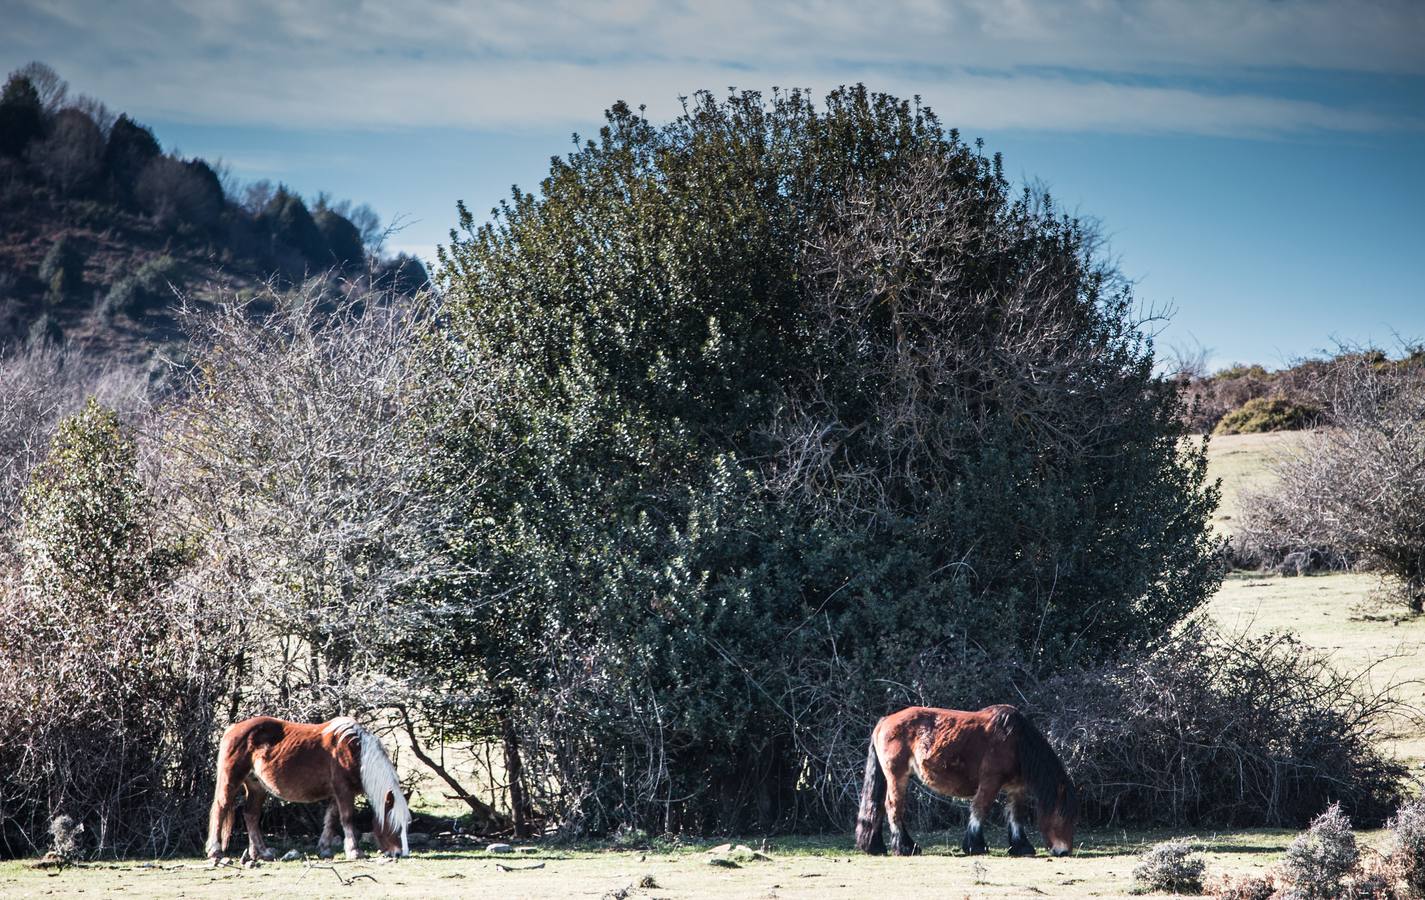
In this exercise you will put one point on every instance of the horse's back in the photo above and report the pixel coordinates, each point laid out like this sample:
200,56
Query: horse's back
950,750
1000,715
250,734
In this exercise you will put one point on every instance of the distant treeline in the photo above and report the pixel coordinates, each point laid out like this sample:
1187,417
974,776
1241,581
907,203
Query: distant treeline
1247,399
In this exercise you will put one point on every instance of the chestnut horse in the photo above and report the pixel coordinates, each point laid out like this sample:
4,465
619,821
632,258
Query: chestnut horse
305,764
972,755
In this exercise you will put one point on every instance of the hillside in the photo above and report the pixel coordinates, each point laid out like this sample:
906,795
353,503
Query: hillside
100,229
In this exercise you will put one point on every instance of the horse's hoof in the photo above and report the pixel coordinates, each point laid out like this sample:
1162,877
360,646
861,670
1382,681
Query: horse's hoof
325,853
268,854
1022,850
353,854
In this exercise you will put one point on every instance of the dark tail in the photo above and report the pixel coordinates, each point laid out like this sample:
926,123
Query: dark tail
1040,767
873,805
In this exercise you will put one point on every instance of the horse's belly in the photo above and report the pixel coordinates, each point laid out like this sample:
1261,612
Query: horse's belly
947,779
286,784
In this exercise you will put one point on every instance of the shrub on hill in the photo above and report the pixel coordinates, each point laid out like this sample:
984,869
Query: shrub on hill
129,150
342,240
71,156
1263,414
62,270
153,283
402,274
180,194
291,226
21,115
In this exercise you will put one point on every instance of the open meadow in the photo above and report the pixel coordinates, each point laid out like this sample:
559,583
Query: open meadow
1334,613
820,868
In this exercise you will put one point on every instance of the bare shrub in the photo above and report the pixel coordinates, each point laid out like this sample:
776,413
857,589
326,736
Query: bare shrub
1406,861
71,156
1246,887
1170,866
1358,486
1318,862
64,835
300,451
177,193
1225,731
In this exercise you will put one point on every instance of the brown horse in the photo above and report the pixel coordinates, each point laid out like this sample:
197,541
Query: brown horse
302,763
972,755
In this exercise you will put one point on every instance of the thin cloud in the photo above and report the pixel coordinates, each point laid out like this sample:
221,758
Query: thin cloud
1116,66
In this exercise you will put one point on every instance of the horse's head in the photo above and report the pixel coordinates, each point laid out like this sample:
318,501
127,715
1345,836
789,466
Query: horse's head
1057,824
388,826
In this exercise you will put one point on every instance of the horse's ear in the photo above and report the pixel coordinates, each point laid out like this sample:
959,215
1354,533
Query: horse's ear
390,801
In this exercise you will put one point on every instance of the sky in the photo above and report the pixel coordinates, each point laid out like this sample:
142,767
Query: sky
1259,167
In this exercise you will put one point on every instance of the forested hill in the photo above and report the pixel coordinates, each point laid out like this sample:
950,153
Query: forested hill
99,228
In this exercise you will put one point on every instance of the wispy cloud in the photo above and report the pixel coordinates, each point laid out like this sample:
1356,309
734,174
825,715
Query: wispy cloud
1209,67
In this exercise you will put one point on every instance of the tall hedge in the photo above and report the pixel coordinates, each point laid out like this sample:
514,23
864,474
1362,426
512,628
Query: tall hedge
805,413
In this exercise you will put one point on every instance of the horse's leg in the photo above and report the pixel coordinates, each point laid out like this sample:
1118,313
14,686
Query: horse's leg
252,813
231,773
345,802
1019,844
974,842
897,795
327,842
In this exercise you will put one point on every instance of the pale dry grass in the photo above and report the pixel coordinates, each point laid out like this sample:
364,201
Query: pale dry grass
1338,613
1243,462
817,869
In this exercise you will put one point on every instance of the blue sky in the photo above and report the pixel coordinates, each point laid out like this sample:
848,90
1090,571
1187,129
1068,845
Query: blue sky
1258,166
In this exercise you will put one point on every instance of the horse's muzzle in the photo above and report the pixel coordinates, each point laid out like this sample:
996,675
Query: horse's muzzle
1057,851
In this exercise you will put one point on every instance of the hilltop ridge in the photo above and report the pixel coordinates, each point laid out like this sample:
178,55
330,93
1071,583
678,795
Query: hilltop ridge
101,229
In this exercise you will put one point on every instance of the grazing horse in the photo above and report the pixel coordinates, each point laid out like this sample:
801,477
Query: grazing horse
972,755
305,764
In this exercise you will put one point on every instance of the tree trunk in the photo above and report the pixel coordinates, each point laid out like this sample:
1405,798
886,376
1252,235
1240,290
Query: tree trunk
514,773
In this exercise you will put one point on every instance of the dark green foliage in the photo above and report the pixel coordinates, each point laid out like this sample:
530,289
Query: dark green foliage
290,224
803,413
402,275
45,330
62,270
152,284
1262,414
342,240
21,115
130,148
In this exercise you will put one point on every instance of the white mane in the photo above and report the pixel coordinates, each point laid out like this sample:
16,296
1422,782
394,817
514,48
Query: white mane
378,777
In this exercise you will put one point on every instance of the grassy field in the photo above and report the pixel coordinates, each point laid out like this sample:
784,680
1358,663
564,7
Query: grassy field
812,868
1336,613
1243,462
